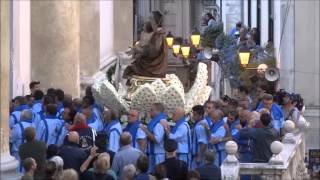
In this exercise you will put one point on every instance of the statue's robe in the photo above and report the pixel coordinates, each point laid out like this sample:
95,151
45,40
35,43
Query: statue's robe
150,56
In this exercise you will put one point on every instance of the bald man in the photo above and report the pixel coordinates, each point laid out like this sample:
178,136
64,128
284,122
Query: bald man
73,156
181,134
139,137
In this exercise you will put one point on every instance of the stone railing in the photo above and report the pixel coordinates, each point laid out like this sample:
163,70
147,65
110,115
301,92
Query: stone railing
286,163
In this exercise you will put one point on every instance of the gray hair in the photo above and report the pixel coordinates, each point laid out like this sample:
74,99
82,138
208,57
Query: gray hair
26,114
69,174
128,172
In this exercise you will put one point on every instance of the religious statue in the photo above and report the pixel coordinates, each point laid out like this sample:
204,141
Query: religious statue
150,52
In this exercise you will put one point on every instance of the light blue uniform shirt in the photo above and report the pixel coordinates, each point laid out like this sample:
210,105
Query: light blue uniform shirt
219,133
114,137
276,114
15,115
199,136
182,137
159,134
37,106
140,135
97,120
17,136
49,134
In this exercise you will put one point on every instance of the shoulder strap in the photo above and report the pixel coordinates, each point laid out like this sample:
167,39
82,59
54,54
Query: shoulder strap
46,131
114,129
22,132
59,133
15,118
290,114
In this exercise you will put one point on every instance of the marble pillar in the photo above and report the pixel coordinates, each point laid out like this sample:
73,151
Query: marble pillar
123,25
55,45
8,164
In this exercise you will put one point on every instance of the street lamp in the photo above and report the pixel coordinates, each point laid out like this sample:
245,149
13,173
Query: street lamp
169,39
176,49
195,37
185,51
244,57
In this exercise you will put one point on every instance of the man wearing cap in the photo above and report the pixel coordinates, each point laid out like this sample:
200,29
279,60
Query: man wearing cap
176,169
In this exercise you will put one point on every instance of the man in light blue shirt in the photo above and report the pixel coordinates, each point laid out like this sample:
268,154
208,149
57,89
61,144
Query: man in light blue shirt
48,128
113,130
17,133
88,102
37,105
20,103
139,137
199,137
155,133
92,120
218,132
209,108
181,134
275,111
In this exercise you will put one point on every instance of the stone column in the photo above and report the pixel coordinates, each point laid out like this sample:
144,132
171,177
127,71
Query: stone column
8,164
55,44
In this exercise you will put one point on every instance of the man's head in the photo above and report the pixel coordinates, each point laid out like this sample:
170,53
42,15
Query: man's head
216,115
261,90
265,119
80,118
59,95
143,164
34,85
232,116
73,137
68,114
209,107
156,109
238,25
87,112
287,99
29,164
125,139
178,114
243,32
267,101
20,100
30,133
26,115
209,156
170,147
87,101
51,92
209,16
38,95
51,109
197,112
102,164
128,172
133,116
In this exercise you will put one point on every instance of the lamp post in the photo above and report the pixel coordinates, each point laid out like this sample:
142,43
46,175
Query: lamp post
244,57
169,39
195,37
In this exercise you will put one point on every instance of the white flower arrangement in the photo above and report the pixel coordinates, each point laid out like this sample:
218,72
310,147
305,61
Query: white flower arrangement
142,99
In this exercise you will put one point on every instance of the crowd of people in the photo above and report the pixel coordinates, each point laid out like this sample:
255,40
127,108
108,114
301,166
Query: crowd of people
55,136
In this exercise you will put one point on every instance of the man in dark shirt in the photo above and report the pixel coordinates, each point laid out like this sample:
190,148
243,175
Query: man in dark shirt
73,156
34,149
209,171
262,139
176,169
